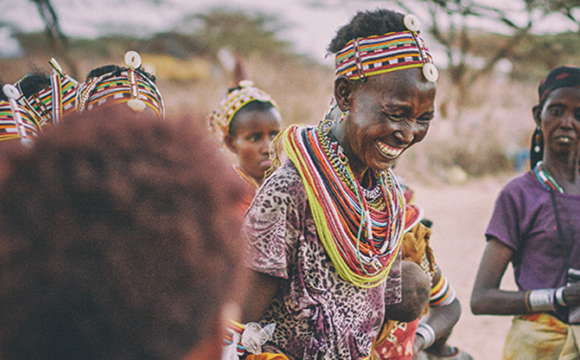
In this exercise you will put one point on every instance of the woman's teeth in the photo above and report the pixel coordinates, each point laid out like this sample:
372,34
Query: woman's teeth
388,150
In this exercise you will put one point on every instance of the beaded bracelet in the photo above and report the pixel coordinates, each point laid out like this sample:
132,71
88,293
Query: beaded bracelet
427,333
542,300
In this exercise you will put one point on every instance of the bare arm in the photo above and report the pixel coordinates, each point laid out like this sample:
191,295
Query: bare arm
258,296
442,319
486,297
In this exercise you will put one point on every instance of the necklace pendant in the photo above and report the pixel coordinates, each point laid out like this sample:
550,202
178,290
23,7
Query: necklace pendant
376,264
369,226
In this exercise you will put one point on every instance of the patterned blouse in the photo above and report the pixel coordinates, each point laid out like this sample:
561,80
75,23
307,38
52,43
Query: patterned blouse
317,314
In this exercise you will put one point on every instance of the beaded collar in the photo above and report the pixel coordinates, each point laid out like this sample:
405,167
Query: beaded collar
334,151
361,241
247,178
546,179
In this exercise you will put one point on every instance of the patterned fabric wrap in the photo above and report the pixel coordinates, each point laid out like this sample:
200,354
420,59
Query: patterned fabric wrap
50,105
442,294
120,87
235,100
363,57
9,125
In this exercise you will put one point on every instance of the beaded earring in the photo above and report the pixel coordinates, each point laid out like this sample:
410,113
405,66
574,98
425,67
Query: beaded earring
537,148
342,115
538,139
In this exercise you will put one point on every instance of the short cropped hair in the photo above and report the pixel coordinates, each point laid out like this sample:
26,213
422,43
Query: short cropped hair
365,24
118,240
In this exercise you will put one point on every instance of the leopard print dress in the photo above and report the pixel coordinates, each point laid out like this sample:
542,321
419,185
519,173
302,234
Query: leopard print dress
318,315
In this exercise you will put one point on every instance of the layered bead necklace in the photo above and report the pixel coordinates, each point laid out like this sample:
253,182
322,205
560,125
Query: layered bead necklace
361,237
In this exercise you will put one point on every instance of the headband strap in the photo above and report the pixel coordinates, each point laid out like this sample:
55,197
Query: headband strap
234,101
375,55
128,86
15,119
51,104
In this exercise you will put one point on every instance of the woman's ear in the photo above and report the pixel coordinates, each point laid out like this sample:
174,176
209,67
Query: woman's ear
343,90
230,142
537,111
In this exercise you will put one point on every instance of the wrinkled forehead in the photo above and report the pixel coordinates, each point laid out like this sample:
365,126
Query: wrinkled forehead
404,84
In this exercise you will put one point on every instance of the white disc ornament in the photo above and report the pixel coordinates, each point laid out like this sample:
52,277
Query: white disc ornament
133,59
136,104
412,22
430,72
11,91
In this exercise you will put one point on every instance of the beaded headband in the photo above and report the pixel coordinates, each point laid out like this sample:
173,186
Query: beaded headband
234,101
129,86
15,121
374,55
50,105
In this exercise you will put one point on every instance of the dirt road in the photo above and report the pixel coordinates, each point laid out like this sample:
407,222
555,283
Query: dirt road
460,215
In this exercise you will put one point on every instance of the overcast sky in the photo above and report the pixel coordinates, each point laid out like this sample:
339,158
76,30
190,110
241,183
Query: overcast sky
311,23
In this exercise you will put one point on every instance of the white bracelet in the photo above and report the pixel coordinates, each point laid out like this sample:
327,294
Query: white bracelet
542,300
427,333
560,296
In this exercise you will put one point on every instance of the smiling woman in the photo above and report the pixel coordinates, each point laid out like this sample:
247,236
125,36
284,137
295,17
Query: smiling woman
325,228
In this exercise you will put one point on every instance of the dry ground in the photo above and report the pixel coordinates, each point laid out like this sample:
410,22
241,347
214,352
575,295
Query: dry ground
460,215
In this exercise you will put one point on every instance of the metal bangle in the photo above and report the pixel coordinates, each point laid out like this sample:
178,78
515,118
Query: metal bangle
427,333
527,301
560,296
542,300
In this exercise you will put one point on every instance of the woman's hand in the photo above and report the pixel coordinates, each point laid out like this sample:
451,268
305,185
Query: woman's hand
571,294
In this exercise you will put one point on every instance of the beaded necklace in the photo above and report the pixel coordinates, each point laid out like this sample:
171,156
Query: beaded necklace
361,241
546,179
247,178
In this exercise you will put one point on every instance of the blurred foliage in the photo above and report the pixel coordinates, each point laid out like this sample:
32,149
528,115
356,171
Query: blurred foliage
534,56
240,32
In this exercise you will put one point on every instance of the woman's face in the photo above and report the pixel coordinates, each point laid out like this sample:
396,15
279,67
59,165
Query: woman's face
387,114
560,120
254,131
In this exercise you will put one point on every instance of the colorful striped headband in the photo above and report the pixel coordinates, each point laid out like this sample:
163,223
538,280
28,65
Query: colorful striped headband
15,121
374,55
127,86
50,105
236,99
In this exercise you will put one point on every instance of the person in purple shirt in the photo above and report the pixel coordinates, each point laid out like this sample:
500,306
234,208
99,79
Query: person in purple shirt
536,226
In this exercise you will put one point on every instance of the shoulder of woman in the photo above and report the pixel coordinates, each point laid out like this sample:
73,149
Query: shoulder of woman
285,180
523,185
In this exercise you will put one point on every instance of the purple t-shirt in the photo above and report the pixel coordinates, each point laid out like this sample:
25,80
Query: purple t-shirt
524,220
318,315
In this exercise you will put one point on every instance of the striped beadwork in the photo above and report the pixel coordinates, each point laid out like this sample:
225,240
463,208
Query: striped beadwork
9,126
442,294
236,99
546,179
50,105
363,57
118,88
